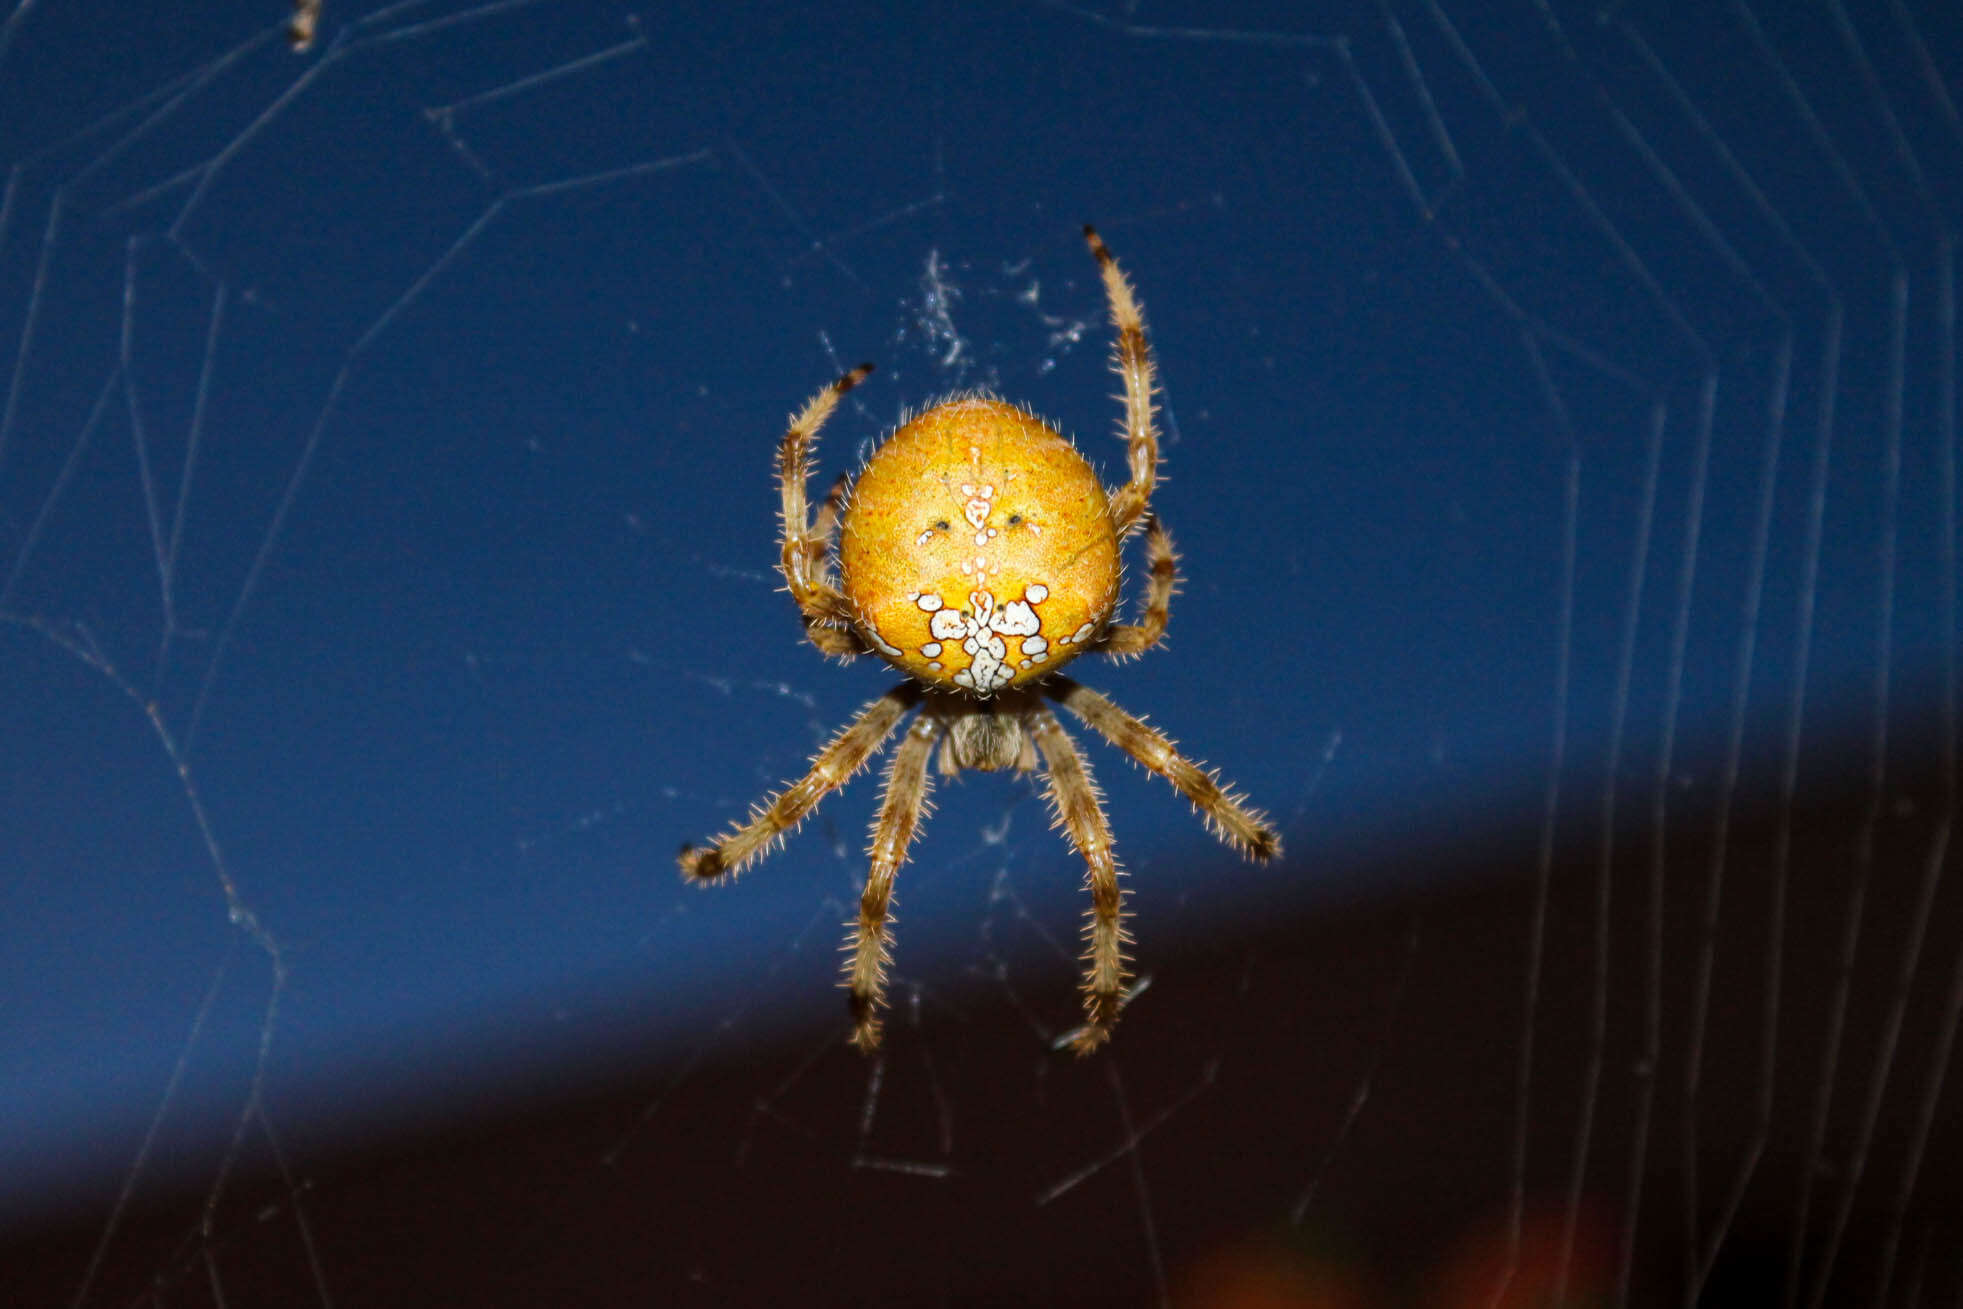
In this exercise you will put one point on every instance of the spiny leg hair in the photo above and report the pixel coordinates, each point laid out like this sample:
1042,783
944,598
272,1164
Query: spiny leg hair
1132,361
1127,640
825,528
1226,815
1080,813
827,618
831,768
902,804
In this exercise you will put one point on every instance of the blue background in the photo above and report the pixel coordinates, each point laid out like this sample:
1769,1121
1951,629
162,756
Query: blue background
390,439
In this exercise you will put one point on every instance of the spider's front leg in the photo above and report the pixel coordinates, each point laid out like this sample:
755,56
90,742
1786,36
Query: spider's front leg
831,768
901,805
1080,812
827,615
1226,812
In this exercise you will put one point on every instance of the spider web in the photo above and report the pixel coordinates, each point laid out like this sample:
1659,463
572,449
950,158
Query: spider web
1561,440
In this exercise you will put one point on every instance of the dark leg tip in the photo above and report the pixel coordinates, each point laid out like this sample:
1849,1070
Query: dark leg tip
865,1022
702,865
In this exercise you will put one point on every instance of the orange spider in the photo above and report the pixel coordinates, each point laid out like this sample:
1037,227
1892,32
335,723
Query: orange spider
979,554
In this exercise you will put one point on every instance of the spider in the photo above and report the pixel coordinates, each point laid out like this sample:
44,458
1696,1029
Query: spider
978,553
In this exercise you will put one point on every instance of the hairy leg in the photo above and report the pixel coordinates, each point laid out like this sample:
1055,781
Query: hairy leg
1133,362
830,769
827,618
901,806
825,527
1227,815
1080,812
1127,639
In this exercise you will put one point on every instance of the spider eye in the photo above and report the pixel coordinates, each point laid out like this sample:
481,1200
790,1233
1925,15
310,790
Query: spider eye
1014,519
941,525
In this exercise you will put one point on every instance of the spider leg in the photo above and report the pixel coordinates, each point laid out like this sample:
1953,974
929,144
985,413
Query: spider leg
831,768
1127,639
843,641
1080,812
1227,815
902,804
824,528
1132,360
827,616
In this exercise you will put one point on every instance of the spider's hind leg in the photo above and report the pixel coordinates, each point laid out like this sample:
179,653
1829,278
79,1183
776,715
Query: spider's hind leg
827,615
1133,362
1126,640
824,529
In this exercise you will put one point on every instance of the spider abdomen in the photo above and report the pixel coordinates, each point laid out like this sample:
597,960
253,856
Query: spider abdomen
977,550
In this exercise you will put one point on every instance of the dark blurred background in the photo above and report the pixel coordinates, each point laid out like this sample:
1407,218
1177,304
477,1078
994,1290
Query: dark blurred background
1560,438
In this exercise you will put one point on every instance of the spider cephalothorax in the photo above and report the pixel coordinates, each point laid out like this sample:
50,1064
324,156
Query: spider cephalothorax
978,555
